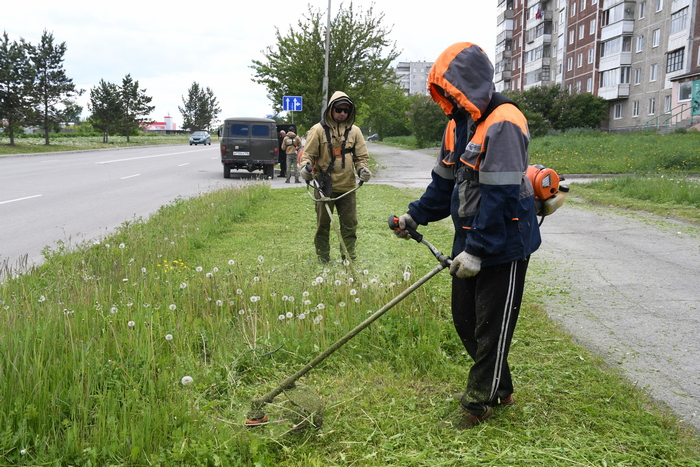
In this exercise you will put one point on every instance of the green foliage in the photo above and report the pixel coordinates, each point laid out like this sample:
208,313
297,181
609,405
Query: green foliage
553,107
135,106
426,120
52,86
16,84
359,62
106,107
200,110
388,113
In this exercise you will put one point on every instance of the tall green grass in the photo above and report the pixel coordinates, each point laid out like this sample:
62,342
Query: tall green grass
148,347
60,142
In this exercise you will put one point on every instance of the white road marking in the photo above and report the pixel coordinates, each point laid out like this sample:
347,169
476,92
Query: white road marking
130,176
182,165
20,199
145,157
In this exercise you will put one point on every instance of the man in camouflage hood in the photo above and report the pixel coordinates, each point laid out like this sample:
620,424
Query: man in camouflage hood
479,179
336,151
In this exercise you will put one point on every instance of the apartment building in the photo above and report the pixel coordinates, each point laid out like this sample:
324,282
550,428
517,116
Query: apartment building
413,76
642,56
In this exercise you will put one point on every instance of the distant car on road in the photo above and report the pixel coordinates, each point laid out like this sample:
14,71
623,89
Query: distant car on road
200,137
374,137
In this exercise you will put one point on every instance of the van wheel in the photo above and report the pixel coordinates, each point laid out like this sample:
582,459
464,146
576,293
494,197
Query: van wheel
269,170
227,170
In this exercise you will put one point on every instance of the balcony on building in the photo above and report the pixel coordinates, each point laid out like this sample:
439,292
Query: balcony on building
618,91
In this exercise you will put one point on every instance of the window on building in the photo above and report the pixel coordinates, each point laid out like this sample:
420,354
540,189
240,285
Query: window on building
635,109
618,111
625,75
642,10
583,5
667,104
571,37
653,72
579,59
659,5
652,106
591,27
685,91
573,9
569,64
640,43
589,85
638,76
656,38
674,60
591,55
581,31
594,2
578,86
679,20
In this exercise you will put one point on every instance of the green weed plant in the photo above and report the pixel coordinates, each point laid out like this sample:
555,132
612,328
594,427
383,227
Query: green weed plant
147,348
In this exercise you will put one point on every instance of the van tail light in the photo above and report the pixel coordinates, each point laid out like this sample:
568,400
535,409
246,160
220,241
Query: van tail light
276,151
223,149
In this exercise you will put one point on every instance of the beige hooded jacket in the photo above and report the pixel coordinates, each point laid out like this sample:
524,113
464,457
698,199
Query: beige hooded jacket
348,162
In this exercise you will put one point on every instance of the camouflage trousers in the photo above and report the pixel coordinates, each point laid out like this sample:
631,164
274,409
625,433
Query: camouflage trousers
347,214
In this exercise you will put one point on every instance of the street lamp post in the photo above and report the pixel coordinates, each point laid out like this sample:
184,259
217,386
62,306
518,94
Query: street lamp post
324,102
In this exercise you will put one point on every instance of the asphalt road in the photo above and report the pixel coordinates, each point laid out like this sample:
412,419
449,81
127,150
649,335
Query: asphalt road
625,285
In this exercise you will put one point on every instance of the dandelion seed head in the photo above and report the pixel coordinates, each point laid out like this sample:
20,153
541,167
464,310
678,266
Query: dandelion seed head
23,452
231,262
353,292
143,270
289,314
357,300
209,274
241,312
320,306
365,272
319,280
341,304
254,298
314,283
198,269
291,299
261,259
280,317
113,309
406,275
219,303
337,282
302,316
173,307
131,324
346,262
307,302
42,298
305,294
350,280
285,298
256,279
168,337
186,380
239,291
215,269
183,285
121,245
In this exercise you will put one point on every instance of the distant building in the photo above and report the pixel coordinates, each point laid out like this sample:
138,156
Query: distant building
413,76
642,56
168,124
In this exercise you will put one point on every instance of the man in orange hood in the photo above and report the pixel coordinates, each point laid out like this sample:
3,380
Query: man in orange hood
479,179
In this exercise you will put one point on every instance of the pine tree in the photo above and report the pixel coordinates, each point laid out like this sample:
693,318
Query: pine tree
16,83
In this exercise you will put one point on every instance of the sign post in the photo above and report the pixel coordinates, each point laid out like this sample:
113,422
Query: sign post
292,104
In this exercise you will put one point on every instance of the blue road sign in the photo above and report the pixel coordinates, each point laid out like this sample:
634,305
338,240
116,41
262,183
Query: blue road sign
292,103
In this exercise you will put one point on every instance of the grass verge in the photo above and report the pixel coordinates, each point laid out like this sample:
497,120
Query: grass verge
147,349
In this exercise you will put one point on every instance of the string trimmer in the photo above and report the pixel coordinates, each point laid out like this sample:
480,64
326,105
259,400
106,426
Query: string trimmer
307,404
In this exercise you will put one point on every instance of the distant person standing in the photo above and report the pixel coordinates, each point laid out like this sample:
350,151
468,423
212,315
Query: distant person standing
336,151
281,156
290,145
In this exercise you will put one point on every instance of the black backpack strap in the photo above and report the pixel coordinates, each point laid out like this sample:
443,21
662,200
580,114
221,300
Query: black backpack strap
343,151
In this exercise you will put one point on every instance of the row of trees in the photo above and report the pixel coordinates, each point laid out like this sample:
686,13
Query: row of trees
360,58
35,91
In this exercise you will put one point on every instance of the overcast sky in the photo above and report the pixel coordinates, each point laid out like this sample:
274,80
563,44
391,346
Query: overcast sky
167,47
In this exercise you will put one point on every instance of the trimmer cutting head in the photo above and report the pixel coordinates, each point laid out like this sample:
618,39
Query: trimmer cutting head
302,407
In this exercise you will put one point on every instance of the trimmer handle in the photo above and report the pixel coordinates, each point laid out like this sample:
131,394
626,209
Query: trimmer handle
394,225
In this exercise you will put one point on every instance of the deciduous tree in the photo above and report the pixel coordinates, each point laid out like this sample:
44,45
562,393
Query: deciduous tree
106,107
360,55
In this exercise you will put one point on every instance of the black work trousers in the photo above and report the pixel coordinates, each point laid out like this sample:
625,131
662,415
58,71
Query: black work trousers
484,311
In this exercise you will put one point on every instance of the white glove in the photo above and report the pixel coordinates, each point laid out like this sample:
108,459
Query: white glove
465,265
305,174
405,220
365,174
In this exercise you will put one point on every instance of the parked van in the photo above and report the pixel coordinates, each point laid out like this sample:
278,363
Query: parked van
250,144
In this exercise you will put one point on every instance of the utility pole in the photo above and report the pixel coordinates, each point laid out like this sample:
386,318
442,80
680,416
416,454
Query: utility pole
324,102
